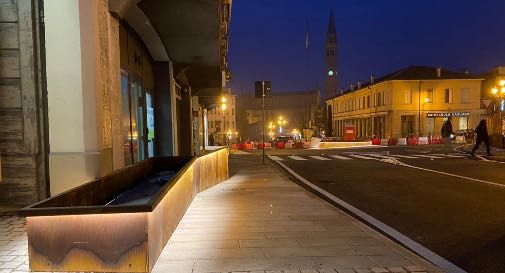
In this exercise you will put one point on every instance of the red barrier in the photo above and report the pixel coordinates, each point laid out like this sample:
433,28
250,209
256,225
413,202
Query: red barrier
376,141
412,141
241,146
280,145
392,141
234,146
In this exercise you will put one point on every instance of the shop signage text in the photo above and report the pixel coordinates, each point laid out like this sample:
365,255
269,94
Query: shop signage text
445,115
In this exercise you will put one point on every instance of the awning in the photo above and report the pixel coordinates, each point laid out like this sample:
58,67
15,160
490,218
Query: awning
193,34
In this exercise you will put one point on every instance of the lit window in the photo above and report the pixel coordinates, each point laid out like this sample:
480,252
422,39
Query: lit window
448,95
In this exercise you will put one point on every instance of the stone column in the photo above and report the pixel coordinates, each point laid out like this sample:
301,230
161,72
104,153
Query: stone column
82,65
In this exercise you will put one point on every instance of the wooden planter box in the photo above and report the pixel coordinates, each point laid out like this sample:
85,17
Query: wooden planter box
96,227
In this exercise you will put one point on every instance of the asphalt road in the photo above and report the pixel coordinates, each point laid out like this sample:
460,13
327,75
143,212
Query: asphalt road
460,218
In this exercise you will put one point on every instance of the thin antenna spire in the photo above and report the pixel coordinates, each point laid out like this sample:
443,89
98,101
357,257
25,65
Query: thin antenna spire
307,55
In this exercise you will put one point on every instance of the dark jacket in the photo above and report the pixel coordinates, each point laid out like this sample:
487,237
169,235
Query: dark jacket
447,129
481,131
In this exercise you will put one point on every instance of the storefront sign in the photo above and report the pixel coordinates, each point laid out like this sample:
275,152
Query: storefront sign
446,115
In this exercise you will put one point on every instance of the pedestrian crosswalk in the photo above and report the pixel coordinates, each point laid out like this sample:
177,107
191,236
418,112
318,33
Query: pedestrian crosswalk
368,156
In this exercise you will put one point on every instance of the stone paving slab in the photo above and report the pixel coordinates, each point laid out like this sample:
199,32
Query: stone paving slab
256,222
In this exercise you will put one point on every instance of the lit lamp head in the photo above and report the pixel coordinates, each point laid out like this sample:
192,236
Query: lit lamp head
223,103
494,90
426,100
502,83
503,90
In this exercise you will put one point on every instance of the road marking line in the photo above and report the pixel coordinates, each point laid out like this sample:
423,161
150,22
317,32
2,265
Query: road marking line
406,241
430,156
362,157
404,156
340,157
451,155
380,156
319,157
295,157
275,158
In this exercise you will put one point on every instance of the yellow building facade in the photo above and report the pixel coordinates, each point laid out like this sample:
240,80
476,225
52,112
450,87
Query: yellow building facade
414,101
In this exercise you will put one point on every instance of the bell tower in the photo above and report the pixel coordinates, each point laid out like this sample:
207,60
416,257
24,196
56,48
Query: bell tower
331,57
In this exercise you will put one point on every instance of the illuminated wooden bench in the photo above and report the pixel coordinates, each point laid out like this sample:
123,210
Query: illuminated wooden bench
118,223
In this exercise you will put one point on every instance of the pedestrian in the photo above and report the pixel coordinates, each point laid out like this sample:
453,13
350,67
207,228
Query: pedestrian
447,132
482,136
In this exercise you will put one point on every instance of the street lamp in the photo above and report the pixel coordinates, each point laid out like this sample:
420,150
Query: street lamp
296,133
229,135
223,108
499,96
281,121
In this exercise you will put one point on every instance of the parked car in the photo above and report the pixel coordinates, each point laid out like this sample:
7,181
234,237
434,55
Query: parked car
282,139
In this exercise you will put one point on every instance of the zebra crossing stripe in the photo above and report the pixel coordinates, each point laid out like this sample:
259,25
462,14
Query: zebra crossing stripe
295,157
319,157
430,156
362,157
275,158
340,157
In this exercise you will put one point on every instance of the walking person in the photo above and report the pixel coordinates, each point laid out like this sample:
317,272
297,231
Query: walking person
446,131
482,136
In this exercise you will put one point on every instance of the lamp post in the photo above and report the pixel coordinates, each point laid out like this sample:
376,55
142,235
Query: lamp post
223,109
419,118
271,127
281,121
498,92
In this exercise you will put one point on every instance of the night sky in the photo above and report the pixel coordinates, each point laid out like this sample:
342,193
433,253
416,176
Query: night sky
267,39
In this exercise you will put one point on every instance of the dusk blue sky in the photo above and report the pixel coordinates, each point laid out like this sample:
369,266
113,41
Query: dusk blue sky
267,39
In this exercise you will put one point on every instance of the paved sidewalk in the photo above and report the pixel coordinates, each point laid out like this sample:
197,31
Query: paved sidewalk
257,221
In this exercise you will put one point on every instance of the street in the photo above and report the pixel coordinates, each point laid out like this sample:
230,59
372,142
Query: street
447,201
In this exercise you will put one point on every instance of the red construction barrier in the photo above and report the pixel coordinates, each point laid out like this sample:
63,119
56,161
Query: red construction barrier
241,146
376,141
234,146
392,141
280,145
249,146
412,141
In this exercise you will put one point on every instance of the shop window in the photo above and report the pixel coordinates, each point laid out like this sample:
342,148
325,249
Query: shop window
448,95
379,99
368,101
150,123
133,118
126,119
463,123
465,95
429,95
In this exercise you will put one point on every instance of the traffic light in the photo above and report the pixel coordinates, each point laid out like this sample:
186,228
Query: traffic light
259,86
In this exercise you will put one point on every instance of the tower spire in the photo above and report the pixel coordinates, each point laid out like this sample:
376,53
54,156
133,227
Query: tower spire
331,60
331,24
